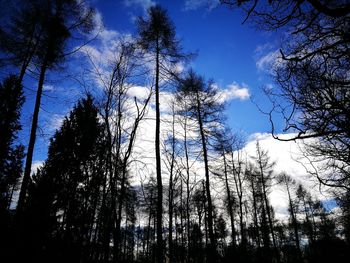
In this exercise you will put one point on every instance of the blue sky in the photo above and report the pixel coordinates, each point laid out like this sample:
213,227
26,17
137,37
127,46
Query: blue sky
227,52
237,57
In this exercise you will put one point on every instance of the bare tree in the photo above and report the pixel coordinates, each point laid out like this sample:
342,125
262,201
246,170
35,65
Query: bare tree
289,184
311,77
157,36
122,116
204,107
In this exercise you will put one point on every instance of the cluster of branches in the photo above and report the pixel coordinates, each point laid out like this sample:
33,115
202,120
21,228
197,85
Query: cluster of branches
82,204
312,78
312,82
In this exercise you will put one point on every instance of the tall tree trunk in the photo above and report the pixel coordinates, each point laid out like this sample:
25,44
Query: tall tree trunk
158,166
182,223
268,212
230,205
294,221
30,151
212,246
255,212
239,190
187,187
171,191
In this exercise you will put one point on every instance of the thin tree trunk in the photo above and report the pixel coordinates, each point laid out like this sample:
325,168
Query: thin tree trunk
255,214
187,188
238,184
171,192
268,212
158,167
230,208
212,246
28,164
294,221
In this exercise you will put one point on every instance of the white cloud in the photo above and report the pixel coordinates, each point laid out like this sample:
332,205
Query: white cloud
144,4
56,121
287,156
196,4
36,164
139,92
268,61
235,91
48,88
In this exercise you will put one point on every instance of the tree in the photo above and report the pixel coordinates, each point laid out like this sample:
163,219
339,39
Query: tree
312,80
265,173
157,36
20,36
289,183
203,106
122,116
61,205
239,178
11,154
306,206
57,22
171,155
224,147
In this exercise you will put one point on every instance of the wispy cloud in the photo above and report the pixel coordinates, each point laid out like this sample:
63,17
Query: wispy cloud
196,4
268,61
48,88
144,4
267,58
56,121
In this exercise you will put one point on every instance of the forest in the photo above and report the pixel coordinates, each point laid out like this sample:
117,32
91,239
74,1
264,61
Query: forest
145,167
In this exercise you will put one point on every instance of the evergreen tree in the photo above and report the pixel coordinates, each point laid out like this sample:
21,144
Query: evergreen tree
11,154
62,198
56,22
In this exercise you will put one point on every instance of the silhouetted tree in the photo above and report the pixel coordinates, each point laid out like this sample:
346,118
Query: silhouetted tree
223,147
203,106
11,153
311,77
157,36
61,205
265,174
11,157
289,184
57,22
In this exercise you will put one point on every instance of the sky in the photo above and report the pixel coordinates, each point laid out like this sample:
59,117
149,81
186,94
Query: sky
227,51
236,56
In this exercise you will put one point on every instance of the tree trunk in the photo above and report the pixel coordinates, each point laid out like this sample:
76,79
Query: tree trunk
158,167
294,221
187,188
230,209
28,164
212,246
171,192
